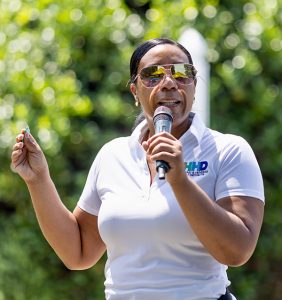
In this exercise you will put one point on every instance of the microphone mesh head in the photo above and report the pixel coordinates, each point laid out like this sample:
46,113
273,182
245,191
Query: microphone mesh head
163,110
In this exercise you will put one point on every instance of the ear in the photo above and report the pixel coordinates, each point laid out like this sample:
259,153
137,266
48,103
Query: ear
133,90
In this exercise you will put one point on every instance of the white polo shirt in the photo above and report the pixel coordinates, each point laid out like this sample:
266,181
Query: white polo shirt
152,250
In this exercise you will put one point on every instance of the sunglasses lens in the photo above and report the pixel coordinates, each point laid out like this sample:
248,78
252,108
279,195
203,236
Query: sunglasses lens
152,76
182,73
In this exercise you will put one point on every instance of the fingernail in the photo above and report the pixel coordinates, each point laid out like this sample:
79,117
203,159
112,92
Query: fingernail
26,132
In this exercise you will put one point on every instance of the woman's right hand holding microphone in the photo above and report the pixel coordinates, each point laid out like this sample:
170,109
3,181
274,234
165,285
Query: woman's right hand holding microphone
28,159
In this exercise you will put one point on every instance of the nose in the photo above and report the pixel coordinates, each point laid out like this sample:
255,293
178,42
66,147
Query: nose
168,82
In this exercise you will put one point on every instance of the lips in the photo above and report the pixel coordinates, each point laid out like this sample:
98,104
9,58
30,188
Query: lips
170,103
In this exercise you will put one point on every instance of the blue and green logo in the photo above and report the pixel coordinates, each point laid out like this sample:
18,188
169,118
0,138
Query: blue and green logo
196,168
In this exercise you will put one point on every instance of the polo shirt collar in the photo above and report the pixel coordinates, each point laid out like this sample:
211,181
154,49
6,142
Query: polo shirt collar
196,131
135,140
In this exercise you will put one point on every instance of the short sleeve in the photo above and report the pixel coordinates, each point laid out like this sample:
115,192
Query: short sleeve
239,173
89,200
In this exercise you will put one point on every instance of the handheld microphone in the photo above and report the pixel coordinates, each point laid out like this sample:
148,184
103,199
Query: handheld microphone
162,122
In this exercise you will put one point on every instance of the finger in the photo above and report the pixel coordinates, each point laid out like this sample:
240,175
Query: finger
161,138
17,146
145,145
20,137
18,158
163,134
15,157
17,154
160,143
30,142
162,148
166,156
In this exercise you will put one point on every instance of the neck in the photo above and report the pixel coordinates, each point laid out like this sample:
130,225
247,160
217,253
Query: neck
178,131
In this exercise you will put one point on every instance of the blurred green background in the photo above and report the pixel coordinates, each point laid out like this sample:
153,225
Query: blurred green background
64,66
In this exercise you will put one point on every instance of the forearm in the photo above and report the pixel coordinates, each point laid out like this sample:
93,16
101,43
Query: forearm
58,224
224,234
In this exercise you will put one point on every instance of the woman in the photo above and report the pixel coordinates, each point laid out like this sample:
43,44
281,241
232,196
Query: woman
165,239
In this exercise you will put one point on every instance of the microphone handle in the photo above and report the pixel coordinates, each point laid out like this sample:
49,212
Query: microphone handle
162,167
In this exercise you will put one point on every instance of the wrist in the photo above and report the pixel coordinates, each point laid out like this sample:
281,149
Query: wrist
177,179
38,180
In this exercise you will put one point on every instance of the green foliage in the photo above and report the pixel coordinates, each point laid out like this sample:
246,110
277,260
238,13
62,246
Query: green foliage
63,70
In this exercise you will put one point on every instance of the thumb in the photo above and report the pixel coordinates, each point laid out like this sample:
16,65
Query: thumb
145,145
30,142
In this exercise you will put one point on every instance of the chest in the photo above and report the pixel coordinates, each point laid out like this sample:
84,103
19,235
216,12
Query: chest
137,206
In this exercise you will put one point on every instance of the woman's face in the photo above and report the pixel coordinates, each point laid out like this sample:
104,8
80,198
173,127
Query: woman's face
178,97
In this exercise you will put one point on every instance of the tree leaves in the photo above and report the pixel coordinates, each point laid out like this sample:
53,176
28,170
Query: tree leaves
63,70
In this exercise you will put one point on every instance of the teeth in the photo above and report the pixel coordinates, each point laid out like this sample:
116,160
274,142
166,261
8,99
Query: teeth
167,103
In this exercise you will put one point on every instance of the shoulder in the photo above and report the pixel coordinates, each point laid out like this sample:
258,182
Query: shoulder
115,150
228,148
227,142
234,154
210,138
117,144
111,151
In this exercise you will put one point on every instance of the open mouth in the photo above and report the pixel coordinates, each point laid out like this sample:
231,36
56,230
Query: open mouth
169,103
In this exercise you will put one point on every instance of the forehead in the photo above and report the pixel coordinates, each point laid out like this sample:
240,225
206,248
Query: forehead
162,55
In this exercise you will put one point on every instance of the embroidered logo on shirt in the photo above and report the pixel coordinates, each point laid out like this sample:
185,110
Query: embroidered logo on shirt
196,168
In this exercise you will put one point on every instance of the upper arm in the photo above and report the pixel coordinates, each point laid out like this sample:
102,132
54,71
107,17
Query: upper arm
92,246
250,211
